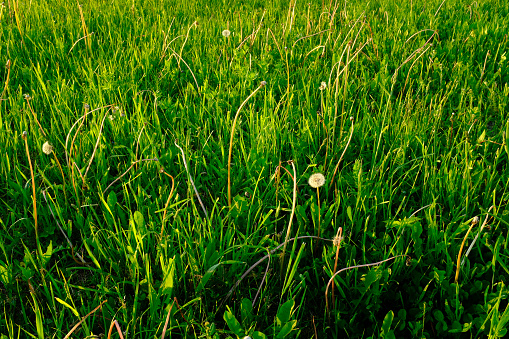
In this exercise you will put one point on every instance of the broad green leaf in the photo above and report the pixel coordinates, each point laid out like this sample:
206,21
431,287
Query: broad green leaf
386,325
370,278
139,220
258,335
233,323
47,256
112,200
349,213
284,313
4,275
287,328
169,275
481,138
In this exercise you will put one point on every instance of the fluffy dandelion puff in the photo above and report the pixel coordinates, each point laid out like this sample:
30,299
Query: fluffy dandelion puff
226,33
316,180
47,148
323,85
337,240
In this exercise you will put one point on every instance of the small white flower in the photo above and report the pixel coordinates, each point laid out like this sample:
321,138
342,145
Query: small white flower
47,148
323,85
316,180
226,33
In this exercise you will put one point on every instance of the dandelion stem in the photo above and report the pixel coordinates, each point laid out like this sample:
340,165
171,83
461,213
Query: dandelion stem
339,235
263,83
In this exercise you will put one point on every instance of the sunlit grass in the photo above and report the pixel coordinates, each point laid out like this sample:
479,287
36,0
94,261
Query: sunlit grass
184,135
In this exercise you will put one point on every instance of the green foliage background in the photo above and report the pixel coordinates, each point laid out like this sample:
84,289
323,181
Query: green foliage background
116,85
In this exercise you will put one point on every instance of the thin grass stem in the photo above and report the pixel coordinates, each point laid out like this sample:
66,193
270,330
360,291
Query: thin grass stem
263,83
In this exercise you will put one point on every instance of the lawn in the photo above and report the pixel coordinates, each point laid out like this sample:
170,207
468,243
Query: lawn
262,169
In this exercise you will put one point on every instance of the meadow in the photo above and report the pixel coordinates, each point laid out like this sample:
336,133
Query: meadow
261,169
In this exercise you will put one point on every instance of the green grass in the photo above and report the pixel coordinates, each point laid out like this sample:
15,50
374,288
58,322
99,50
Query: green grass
416,98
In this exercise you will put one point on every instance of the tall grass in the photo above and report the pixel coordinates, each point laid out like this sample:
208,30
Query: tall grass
172,188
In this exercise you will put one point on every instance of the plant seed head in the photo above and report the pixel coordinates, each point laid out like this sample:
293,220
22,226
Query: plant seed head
47,148
316,180
323,85
263,83
336,241
226,33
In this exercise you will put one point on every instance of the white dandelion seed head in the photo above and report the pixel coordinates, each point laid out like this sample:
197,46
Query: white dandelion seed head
47,148
323,85
263,83
316,180
337,240
226,33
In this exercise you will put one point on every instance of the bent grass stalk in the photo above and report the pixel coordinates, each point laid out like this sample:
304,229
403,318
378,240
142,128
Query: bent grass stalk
167,320
475,239
68,155
120,177
475,221
117,327
263,83
95,148
352,267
